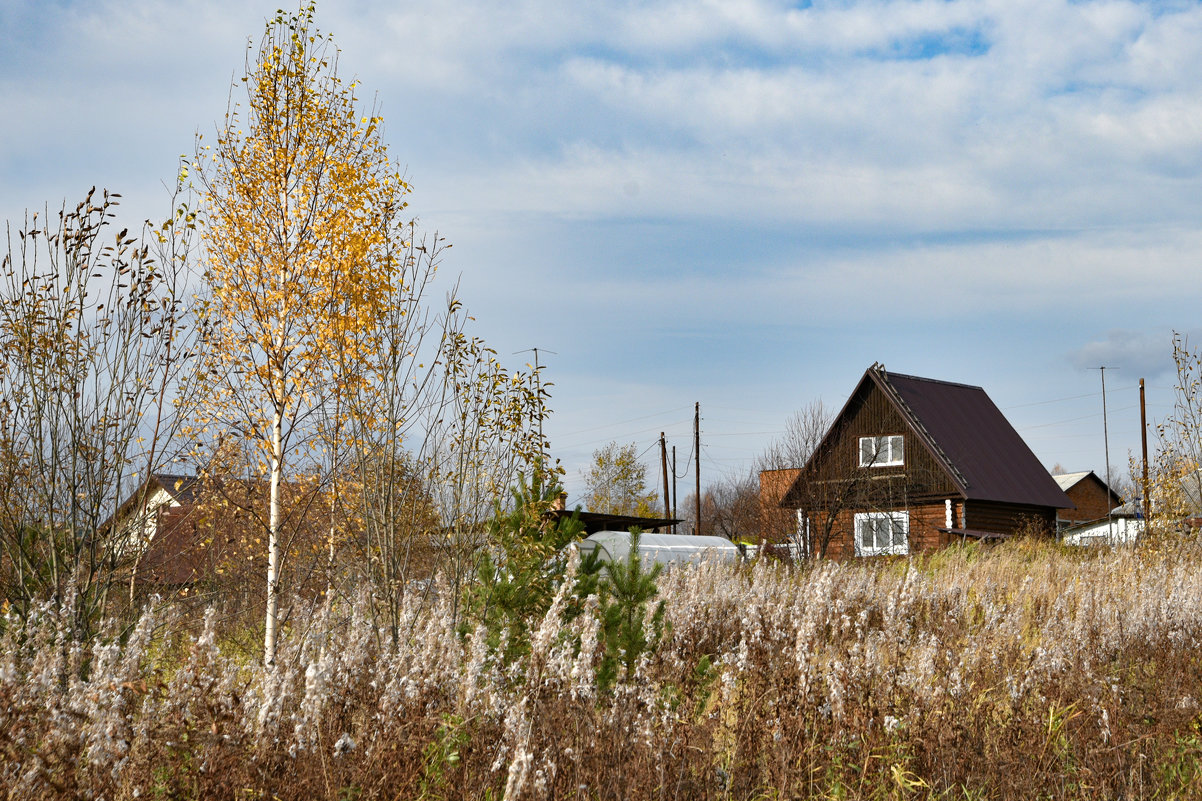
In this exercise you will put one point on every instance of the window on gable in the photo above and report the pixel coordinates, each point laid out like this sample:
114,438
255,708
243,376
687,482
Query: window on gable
879,533
888,451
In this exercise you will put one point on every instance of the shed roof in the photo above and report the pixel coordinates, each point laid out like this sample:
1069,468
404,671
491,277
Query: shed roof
601,521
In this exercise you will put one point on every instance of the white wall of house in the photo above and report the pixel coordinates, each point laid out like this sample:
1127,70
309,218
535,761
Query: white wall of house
1119,531
139,529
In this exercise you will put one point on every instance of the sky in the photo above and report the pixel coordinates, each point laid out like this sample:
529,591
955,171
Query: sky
741,204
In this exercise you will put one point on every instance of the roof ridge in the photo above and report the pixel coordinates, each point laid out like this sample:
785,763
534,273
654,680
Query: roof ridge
932,443
934,380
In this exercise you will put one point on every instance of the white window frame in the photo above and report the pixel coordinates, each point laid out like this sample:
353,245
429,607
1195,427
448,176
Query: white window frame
899,523
886,451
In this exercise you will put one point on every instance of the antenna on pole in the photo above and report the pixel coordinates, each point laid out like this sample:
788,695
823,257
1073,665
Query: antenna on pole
538,386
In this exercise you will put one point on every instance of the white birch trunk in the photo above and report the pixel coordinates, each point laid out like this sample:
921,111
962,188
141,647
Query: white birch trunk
273,539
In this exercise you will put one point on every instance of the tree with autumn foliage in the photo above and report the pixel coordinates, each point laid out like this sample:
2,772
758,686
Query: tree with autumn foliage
304,238
616,483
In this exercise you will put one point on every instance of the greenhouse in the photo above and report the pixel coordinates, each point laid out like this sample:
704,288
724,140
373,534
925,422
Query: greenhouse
664,549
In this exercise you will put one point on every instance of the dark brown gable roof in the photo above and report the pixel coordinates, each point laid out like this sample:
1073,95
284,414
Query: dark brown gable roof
990,461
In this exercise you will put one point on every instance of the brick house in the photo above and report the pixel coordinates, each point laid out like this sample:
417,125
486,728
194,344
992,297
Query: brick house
139,517
778,525
1092,499
185,533
910,464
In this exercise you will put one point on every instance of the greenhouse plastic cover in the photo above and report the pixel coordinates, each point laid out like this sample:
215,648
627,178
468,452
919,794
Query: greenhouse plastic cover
665,549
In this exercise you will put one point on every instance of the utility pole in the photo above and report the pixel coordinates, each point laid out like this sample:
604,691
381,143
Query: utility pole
663,459
673,487
1106,445
1143,435
697,450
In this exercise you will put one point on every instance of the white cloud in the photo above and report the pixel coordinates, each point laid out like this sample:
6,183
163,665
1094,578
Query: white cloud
1137,353
1033,160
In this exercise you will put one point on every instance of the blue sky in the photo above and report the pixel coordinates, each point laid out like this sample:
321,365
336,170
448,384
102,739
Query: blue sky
741,203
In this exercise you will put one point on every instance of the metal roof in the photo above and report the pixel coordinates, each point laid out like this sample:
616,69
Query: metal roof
977,439
1067,480
966,434
182,488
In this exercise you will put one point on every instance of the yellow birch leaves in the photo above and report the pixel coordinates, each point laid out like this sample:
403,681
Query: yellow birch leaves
302,203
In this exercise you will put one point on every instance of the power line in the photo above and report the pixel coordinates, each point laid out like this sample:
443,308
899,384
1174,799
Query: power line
687,459
1074,419
1066,398
623,422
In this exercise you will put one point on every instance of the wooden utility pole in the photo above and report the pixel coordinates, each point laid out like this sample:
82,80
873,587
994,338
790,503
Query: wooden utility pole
1143,435
663,459
673,487
697,450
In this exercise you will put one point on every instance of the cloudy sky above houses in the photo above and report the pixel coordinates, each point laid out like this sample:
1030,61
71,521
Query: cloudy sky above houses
741,203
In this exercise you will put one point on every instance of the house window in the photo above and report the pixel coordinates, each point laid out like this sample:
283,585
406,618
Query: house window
880,533
886,451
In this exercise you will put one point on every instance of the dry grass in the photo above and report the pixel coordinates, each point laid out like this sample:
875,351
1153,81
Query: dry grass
1024,672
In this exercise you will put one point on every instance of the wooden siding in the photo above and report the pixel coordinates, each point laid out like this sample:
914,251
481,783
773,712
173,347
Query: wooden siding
1008,518
927,519
872,415
925,522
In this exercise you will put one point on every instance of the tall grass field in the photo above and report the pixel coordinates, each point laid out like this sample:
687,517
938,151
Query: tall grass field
1025,671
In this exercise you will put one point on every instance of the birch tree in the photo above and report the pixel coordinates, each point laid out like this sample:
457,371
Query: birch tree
303,235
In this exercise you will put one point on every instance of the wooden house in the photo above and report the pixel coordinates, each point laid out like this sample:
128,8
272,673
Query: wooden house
139,517
184,532
911,464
